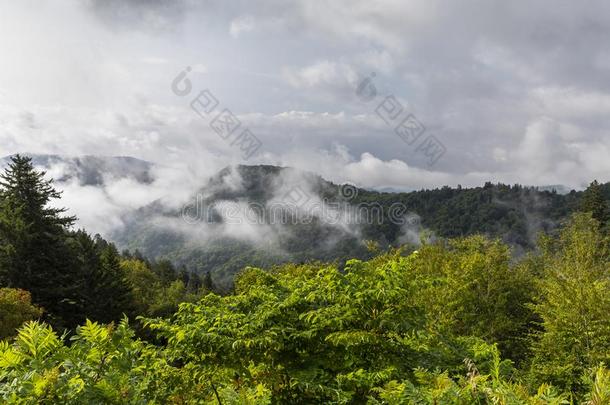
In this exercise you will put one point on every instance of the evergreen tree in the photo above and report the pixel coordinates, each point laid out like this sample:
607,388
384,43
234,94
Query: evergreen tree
83,248
137,255
593,201
34,254
184,275
166,271
106,295
207,282
113,291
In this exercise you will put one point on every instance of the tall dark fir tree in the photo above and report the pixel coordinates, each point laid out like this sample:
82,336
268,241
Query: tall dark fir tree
34,253
105,295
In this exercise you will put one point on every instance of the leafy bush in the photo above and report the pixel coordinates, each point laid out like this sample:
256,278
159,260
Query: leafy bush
15,309
427,328
573,304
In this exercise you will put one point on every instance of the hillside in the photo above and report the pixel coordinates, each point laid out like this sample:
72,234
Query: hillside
238,228
233,220
459,320
229,223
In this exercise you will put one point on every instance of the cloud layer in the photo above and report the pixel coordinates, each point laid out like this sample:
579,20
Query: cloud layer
516,92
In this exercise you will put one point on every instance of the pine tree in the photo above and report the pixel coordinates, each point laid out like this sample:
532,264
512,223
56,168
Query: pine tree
105,295
184,275
207,283
593,201
166,271
195,283
112,287
34,254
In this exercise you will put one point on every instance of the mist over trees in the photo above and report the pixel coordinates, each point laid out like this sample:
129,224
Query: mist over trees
71,275
514,213
454,320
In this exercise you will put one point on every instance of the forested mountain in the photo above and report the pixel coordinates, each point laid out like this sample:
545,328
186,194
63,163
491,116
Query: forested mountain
215,234
229,222
458,321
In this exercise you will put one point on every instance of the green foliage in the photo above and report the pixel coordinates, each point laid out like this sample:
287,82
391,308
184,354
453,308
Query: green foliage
516,214
151,295
102,365
105,294
34,253
316,334
15,309
598,383
471,289
39,368
594,202
310,335
385,331
459,321
573,303
491,385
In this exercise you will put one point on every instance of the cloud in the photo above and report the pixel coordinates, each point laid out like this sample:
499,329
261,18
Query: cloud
241,25
323,73
150,15
516,92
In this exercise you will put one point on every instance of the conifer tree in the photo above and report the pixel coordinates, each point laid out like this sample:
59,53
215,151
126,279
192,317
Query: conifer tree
106,295
34,254
184,275
112,287
166,271
207,282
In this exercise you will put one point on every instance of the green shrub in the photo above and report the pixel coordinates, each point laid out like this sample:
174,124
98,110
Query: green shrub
15,309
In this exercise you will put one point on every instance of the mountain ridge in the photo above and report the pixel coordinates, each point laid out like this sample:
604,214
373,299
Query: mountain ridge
214,232
515,214
90,170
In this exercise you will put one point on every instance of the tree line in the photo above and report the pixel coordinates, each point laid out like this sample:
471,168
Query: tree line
68,274
457,321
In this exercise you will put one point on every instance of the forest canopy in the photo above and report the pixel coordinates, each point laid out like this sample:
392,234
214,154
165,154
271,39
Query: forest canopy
456,321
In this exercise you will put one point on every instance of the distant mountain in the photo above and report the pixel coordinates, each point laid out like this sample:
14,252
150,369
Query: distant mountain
265,215
213,233
243,216
91,170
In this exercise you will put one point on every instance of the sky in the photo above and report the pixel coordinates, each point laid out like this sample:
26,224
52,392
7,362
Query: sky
513,92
